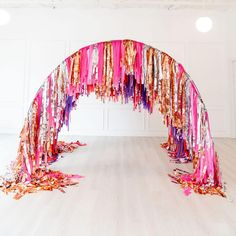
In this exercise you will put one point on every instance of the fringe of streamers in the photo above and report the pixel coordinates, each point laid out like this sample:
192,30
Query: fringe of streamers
43,178
119,70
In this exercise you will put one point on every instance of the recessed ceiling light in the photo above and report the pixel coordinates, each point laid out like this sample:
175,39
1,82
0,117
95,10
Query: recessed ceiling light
4,17
204,24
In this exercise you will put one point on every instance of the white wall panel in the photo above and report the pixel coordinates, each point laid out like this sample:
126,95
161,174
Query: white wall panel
86,119
44,56
12,87
11,118
207,68
125,119
155,124
12,68
218,120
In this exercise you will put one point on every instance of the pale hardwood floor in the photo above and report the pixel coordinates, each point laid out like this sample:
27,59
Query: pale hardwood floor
125,192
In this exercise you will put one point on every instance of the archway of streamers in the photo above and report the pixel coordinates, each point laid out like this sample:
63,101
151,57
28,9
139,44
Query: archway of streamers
119,70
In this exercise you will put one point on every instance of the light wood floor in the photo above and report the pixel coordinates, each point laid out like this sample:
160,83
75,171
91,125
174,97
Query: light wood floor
125,192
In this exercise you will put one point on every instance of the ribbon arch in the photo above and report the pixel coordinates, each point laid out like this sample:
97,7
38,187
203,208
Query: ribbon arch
123,70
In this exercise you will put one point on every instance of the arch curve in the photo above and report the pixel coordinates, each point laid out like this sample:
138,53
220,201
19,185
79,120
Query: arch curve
120,69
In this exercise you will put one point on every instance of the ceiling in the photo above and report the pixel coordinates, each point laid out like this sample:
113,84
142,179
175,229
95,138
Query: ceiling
160,4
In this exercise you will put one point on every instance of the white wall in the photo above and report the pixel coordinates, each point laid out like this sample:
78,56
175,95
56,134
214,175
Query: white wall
37,40
234,99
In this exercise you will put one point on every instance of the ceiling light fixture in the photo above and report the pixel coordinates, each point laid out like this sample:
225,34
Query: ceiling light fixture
204,24
4,17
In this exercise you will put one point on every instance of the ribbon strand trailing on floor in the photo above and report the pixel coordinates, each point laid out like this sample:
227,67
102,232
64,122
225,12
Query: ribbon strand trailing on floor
119,70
